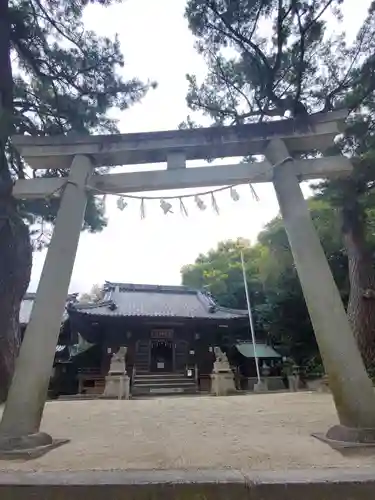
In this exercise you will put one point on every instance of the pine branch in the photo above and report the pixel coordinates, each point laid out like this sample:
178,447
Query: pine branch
319,15
6,89
239,37
56,24
301,57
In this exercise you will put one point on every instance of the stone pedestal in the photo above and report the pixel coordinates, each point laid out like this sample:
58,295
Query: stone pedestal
343,438
28,447
117,387
293,382
222,383
222,377
261,386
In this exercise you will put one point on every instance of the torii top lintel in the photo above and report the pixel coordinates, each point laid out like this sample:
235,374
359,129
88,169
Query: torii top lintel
315,132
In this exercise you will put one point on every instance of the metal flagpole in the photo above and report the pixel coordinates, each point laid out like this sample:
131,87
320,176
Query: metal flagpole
250,317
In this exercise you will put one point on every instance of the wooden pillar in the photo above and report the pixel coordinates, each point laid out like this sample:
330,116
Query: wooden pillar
352,390
27,395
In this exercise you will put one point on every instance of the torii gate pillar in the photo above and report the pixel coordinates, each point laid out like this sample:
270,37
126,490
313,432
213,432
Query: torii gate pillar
19,428
352,389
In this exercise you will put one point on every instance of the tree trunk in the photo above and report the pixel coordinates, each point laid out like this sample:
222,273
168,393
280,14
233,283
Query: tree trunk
15,269
361,305
15,248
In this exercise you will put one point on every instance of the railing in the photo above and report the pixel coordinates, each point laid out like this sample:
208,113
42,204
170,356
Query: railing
194,373
273,383
132,377
89,371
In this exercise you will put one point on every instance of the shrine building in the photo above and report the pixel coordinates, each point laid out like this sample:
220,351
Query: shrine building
169,331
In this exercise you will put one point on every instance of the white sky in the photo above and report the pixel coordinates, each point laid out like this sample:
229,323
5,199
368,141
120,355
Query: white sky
158,45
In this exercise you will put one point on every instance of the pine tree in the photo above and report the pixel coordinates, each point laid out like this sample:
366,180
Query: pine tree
56,77
295,70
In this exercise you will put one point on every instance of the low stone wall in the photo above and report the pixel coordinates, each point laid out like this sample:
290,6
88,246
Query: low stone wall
332,484
273,383
318,384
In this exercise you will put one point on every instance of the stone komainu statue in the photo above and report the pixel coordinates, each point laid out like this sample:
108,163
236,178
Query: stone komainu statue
118,361
220,355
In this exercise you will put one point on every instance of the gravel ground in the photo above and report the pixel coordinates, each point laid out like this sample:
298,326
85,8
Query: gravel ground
265,431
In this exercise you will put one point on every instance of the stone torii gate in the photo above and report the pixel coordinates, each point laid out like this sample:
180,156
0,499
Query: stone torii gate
279,142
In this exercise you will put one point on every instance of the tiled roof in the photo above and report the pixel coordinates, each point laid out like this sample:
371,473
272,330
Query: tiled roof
27,306
124,299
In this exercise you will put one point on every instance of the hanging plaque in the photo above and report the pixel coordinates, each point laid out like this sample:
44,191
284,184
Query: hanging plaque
162,334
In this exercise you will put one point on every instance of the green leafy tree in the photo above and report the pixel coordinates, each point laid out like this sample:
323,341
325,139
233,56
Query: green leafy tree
274,58
279,307
220,271
56,77
285,314
353,197
94,295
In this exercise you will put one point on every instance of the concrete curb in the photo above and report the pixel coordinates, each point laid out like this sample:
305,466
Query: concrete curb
203,484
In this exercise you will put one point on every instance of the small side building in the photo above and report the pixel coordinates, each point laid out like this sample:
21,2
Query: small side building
66,338
64,374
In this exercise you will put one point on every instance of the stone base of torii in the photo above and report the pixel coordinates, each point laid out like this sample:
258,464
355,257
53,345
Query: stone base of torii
281,143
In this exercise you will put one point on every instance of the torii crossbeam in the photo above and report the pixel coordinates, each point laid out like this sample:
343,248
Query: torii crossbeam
281,143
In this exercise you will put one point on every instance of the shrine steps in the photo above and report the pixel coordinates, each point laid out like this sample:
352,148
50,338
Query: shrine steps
79,397
154,384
